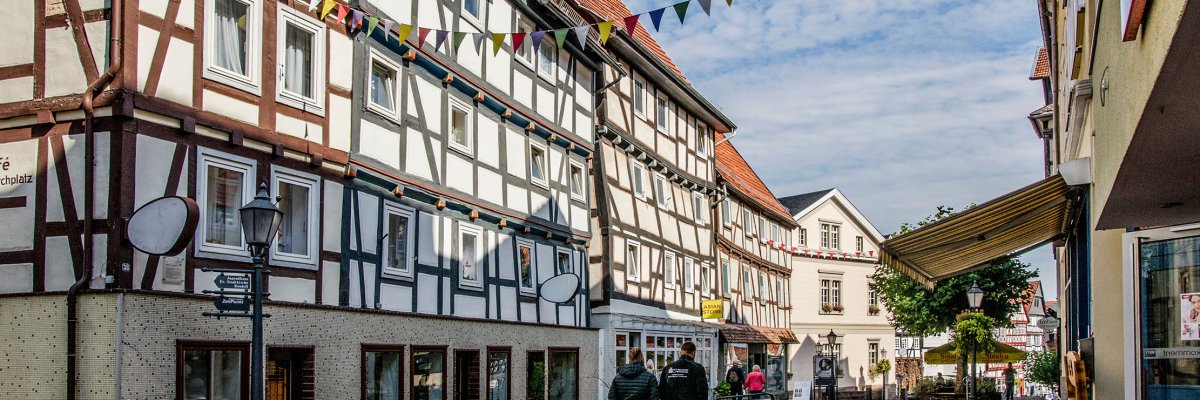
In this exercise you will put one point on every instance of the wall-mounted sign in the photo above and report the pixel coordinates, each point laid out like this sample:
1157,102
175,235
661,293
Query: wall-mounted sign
560,288
163,226
18,175
712,309
1047,323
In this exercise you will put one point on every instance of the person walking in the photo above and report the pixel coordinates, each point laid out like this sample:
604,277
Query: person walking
633,381
1010,380
684,379
755,381
735,377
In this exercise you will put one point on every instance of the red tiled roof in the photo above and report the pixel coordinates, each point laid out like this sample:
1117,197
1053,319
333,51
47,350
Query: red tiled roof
615,10
734,169
1041,66
758,334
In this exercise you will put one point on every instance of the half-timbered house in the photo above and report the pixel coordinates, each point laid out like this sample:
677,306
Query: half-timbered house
651,262
754,266
428,194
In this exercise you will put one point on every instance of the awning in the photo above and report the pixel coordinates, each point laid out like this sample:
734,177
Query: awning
972,239
757,334
1002,354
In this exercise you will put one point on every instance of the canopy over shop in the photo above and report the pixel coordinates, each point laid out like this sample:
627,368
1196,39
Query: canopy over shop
758,345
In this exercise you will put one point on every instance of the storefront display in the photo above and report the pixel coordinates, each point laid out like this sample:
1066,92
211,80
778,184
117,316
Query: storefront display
1170,308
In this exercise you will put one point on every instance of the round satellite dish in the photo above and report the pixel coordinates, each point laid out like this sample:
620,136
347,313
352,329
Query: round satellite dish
560,289
163,226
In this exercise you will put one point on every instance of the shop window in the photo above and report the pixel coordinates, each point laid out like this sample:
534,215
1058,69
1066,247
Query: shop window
213,371
621,346
564,374
298,194
525,270
383,369
466,375
535,375
428,374
1169,272
499,374
401,226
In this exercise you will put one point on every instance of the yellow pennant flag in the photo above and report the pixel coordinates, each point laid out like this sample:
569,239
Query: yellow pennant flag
605,29
497,41
403,31
327,7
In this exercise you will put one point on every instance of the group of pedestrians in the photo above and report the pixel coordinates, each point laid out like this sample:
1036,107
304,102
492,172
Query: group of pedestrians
684,379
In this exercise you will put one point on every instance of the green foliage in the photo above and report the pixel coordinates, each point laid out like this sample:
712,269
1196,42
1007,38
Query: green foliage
1043,368
536,382
988,386
879,368
723,389
973,328
924,386
921,311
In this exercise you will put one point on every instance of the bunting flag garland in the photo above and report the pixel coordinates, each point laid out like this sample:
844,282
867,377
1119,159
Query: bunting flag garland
343,10
497,41
326,8
706,5
372,22
681,9
631,23
518,40
656,17
440,39
729,2
479,38
581,35
422,33
458,38
535,39
387,29
312,5
560,37
403,32
356,18
605,29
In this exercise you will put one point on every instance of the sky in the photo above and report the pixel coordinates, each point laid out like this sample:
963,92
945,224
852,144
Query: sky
903,105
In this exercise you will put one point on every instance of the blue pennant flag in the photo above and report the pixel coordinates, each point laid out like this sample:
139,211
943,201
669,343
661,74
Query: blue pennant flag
656,17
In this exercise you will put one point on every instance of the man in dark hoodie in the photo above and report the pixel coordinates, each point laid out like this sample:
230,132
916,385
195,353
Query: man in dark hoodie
684,379
633,381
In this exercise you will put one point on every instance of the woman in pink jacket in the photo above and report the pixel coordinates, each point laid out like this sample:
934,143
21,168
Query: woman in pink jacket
755,381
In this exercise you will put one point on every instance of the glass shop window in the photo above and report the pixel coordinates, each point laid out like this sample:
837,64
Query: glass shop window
1170,316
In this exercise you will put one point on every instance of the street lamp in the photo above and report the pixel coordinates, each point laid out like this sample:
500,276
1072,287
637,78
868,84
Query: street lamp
832,338
260,222
883,357
974,299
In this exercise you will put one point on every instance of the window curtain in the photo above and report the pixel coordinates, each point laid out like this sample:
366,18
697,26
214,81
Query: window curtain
297,63
293,230
229,34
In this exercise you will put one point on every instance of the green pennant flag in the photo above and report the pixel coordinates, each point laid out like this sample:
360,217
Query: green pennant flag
458,38
497,41
729,2
372,22
681,9
605,29
560,36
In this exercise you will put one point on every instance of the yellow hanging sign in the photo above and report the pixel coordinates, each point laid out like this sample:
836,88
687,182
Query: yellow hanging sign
714,309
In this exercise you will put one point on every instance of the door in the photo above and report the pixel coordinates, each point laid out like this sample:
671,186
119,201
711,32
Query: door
290,374
466,375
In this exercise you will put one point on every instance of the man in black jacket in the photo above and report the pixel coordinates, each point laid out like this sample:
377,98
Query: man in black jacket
633,381
735,376
684,379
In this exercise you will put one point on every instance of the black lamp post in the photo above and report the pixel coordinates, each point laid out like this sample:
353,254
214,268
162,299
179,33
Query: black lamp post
832,338
883,357
260,222
974,298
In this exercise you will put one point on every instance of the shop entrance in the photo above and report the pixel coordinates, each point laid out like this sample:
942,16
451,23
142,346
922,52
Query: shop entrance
290,373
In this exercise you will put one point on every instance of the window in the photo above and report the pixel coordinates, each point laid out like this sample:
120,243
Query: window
829,236
633,261
747,222
382,372
836,288
705,280
578,184
525,268
213,371
639,97
524,54
873,353
660,113
535,383
701,140
725,277
398,259
831,293
763,293
498,374
383,87
428,374
725,218
547,55
469,271
225,186
688,274
764,232
858,244
460,127
296,240
301,45
803,237
872,297
472,9
747,288
537,164
699,207
564,375
669,269
231,42
637,178
779,291
661,188
563,261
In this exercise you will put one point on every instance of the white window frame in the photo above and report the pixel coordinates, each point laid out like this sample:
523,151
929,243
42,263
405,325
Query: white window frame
701,139
662,190
387,63
252,81
858,244
544,182
313,183
669,268
316,103
639,97
764,290
550,75
747,283
525,55
706,280
480,255
662,119
475,20
689,276
559,252
835,236
725,286
725,210
699,207
459,105
248,169
636,264
581,193
406,273
531,290
748,222
803,237
779,291
637,179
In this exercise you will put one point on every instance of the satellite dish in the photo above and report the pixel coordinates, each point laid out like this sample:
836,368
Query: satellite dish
164,226
560,289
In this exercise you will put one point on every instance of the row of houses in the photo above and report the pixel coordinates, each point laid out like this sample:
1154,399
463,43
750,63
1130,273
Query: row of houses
429,192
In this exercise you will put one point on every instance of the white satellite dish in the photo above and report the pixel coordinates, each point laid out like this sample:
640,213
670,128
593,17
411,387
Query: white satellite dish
164,226
560,288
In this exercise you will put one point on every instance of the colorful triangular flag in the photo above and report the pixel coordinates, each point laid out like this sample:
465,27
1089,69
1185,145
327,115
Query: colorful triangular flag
342,12
706,5
560,36
458,38
535,39
387,29
422,33
326,8
356,18
518,40
605,29
479,38
656,17
372,22
729,2
404,31
497,41
681,9
581,35
440,39
631,23
312,5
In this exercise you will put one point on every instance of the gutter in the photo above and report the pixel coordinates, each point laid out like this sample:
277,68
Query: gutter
115,51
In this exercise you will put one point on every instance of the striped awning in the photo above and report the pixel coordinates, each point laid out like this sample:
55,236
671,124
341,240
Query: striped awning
972,239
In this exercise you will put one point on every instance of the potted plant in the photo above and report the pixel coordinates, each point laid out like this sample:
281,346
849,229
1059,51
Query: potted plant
873,309
838,308
826,307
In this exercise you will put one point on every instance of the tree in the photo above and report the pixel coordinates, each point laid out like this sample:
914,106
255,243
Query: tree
1043,368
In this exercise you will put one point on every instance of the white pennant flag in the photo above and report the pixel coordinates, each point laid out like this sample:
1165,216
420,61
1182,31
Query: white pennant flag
312,5
581,35
387,29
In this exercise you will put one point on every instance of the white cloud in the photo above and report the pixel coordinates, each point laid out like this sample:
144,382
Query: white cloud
903,104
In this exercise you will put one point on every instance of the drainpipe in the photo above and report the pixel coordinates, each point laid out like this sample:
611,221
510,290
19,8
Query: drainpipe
89,200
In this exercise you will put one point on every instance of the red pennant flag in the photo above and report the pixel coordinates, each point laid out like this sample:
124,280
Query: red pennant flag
422,33
518,40
858,254
343,11
631,23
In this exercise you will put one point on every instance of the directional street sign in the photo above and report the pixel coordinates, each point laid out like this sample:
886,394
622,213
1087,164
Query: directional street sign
239,282
232,304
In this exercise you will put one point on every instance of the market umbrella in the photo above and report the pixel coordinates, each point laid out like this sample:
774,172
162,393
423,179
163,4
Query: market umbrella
1001,354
